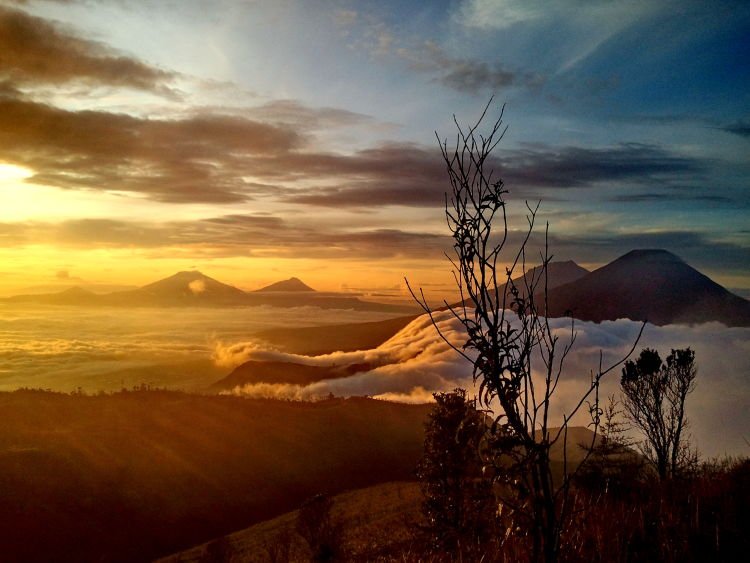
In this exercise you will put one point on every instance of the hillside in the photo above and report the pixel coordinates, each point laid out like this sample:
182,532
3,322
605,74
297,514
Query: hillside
653,285
377,521
376,518
136,475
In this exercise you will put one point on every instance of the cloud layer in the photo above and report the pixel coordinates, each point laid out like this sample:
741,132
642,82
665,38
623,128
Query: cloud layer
417,362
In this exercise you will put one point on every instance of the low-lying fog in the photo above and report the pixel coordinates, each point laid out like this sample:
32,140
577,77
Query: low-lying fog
104,349
63,348
416,362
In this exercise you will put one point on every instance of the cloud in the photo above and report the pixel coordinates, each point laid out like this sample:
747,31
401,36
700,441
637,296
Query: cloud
229,235
416,362
740,128
98,350
463,74
411,175
215,157
197,287
249,235
579,28
197,159
35,51
345,18
293,114
645,197
412,358
571,166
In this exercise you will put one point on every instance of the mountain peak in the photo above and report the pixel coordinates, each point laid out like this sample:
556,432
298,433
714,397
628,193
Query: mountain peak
292,284
649,284
188,274
651,255
190,285
76,291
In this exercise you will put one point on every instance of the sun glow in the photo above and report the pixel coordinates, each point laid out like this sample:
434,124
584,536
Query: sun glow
13,172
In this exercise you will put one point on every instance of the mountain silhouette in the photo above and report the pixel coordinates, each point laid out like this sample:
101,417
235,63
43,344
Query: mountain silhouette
558,273
188,286
195,289
191,288
71,296
648,284
292,284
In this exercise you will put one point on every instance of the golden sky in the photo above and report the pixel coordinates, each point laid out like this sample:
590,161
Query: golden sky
256,141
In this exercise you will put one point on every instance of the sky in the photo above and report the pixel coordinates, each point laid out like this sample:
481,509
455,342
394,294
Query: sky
259,140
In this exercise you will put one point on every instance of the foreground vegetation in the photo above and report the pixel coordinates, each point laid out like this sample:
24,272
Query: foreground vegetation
703,518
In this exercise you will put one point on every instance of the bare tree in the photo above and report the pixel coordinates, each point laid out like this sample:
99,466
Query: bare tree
507,335
654,395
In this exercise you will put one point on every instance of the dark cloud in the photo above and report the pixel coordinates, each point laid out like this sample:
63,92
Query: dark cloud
270,235
36,51
648,197
740,128
229,157
198,159
295,114
229,235
466,75
564,167
415,176
474,76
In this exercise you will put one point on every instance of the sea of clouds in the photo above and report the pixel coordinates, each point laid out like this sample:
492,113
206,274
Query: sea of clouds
417,362
103,349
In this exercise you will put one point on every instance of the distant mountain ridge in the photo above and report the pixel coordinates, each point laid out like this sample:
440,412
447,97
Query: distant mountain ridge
558,273
651,285
622,288
195,289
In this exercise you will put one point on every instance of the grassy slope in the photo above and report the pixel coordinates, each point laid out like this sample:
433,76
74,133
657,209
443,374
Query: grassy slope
376,518
136,475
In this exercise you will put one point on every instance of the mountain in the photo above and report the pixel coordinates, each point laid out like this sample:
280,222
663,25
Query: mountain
183,288
291,285
195,289
649,284
558,273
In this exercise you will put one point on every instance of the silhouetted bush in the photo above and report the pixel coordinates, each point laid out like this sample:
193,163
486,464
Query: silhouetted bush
320,530
458,499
